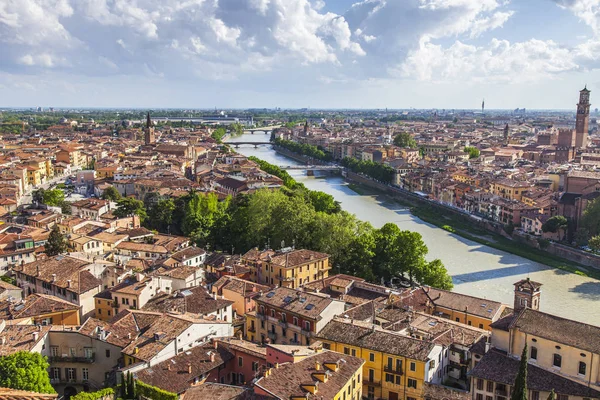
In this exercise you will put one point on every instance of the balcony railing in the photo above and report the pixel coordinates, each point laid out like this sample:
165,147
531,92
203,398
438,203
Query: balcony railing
85,360
372,382
252,329
282,324
306,333
393,370
286,278
262,317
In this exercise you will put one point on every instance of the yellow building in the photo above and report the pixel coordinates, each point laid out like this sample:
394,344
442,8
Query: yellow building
35,176
288,268
396,367
326,375
509,189
104,306
565,348
468,310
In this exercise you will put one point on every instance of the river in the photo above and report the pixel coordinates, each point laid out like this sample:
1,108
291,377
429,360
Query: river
476,269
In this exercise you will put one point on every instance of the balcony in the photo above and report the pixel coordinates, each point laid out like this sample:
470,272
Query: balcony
262,317
393,370
282,324
306,333
84,360
372,382
286,278
252,329
501,392
272,336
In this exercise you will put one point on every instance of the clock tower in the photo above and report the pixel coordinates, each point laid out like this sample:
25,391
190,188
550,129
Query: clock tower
583,119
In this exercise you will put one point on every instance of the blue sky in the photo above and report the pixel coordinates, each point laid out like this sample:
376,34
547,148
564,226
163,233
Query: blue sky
298,53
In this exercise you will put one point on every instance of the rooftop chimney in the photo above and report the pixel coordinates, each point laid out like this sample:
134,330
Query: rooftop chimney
35,335
189,368
68,283
53,277
318,366
212,357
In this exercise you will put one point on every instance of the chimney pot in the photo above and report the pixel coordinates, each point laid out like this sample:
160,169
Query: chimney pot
318,366
189,368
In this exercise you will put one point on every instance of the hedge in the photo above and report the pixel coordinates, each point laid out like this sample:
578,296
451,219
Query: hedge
152,392
94,395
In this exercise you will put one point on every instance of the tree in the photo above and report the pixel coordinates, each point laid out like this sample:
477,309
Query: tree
324,202
129,206
405,139
38,195
130,385
590,219
111,193
25,371
594,243
520,388
160,215
473,151
552,395
434,274
554,224
123,387
56,243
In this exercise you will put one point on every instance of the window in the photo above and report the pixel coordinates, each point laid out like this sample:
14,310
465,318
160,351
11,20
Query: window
535,395
563,397
73,351
240,362
255,366
557,360
370,392
71,374
346,350
480,326
306,325
85,374
489,397
479,396
372,357
88,352
295,321
55,373
413,366
353,352
489,387
412,383
107,353
273,313
389,378
479,384
54,351
242,378
582,368
533,353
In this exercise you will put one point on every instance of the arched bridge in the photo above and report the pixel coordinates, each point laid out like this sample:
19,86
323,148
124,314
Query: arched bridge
312,167
255,144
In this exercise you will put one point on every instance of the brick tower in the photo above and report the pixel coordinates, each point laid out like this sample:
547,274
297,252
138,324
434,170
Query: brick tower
527,294
149,132
583,119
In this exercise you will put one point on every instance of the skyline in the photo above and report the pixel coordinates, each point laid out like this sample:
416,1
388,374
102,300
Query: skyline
334,54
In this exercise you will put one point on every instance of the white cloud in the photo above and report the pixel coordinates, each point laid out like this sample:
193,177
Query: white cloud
587,10
498,61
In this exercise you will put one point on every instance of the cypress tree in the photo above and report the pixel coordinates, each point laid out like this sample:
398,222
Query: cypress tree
552,395
520,387
130,386
123,386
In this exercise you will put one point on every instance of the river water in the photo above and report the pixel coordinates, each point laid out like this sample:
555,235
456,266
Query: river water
476,269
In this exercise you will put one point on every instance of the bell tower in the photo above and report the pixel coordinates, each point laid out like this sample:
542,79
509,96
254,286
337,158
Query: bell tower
583,119
149,132
527,294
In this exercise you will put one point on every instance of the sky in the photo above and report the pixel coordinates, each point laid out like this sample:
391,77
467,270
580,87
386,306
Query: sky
444,54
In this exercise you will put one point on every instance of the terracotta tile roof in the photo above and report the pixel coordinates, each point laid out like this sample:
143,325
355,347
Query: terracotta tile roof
460,302
375,339
498,367
297,257
308,305
187,253
195,300
14,394
15,338
241,286
142,247
158,335
285,381
217,391
65,268
243,346
173,374
34,305
438,392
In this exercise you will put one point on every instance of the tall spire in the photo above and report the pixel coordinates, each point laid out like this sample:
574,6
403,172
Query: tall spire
148,121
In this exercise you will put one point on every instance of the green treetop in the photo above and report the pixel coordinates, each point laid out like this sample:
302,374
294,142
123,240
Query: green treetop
25,371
